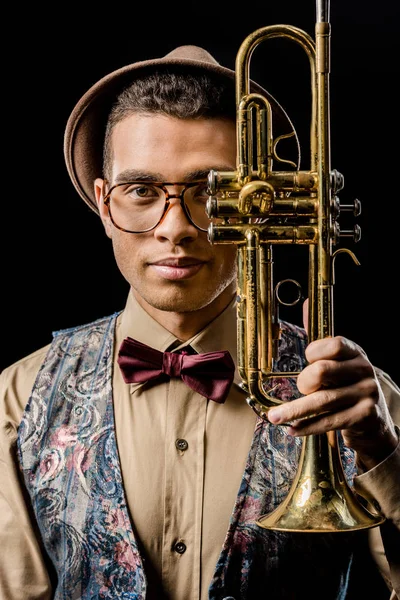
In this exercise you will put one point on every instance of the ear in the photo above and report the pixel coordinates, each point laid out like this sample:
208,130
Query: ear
103,209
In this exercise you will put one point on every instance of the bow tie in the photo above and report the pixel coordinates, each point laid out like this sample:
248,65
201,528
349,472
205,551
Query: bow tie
210,374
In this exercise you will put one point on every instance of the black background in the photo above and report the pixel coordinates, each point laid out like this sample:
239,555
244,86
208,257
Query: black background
58,265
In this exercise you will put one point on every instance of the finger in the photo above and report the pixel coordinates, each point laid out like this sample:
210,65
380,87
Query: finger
334,348
344,420
325,403
333,373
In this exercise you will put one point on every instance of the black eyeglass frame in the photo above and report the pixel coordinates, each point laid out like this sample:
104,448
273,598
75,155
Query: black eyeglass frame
161,185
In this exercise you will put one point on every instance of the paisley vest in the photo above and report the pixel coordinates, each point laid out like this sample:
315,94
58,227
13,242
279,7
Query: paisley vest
68,456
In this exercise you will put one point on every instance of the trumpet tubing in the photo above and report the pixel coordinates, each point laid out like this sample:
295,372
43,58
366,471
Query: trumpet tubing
257,207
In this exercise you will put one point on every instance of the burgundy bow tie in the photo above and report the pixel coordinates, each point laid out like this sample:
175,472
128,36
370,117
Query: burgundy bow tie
210,374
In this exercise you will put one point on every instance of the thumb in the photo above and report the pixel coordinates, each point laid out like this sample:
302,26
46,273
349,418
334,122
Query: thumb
305,314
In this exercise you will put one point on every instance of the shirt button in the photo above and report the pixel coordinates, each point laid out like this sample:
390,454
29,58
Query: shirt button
180,547
181,444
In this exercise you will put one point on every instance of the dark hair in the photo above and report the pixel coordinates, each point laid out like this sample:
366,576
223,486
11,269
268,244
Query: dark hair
177,94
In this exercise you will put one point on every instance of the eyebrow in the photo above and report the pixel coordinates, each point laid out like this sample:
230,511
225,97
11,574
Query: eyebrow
151,176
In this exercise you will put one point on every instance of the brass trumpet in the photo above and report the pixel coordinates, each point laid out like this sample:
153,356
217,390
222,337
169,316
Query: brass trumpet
256,207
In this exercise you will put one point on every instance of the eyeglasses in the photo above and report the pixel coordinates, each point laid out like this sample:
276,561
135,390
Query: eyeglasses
139,206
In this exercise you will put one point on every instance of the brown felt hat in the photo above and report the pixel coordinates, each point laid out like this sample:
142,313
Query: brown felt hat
84,133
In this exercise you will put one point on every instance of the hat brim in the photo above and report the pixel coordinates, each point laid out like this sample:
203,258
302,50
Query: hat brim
85,129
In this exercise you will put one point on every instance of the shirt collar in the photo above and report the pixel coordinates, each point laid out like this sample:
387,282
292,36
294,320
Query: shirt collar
220,334
136,323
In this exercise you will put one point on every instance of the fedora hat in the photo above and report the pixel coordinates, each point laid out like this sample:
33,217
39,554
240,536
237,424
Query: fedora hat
85,129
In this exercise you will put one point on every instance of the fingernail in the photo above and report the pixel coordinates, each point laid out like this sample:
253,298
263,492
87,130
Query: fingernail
274,415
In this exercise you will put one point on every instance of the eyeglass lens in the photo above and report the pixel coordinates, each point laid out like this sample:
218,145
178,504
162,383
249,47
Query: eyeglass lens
140,206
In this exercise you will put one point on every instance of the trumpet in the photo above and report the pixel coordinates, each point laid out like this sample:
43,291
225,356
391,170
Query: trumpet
257,207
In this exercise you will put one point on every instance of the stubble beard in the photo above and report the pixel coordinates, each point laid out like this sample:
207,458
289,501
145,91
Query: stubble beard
179,299
175,296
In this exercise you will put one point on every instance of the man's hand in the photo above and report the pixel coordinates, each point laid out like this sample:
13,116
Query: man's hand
341,391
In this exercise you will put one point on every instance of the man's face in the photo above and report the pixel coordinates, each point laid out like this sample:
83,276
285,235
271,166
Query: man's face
173,267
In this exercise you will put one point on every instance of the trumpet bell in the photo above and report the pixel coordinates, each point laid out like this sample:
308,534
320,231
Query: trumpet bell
320,498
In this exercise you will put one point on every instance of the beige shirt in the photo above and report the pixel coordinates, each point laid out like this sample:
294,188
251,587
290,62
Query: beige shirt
182,458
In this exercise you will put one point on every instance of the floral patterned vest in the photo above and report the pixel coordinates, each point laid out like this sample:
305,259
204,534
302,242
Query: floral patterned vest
68,455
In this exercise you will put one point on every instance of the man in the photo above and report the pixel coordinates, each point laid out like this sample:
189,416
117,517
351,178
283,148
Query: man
121,482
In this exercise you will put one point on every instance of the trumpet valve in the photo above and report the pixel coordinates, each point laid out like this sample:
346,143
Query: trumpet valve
337,181
355,208
354,233
256,197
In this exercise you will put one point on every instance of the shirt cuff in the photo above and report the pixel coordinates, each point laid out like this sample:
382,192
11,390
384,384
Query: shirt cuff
381,485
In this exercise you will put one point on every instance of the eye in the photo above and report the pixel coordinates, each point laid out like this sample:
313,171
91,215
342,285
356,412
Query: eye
139,192
200,192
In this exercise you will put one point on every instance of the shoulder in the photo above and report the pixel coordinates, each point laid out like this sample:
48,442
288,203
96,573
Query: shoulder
100,325
16,383
18,379
26,367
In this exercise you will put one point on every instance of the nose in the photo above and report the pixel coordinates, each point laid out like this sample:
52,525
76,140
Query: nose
175,226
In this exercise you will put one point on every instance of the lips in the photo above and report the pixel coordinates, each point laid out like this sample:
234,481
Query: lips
178,262
177,268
